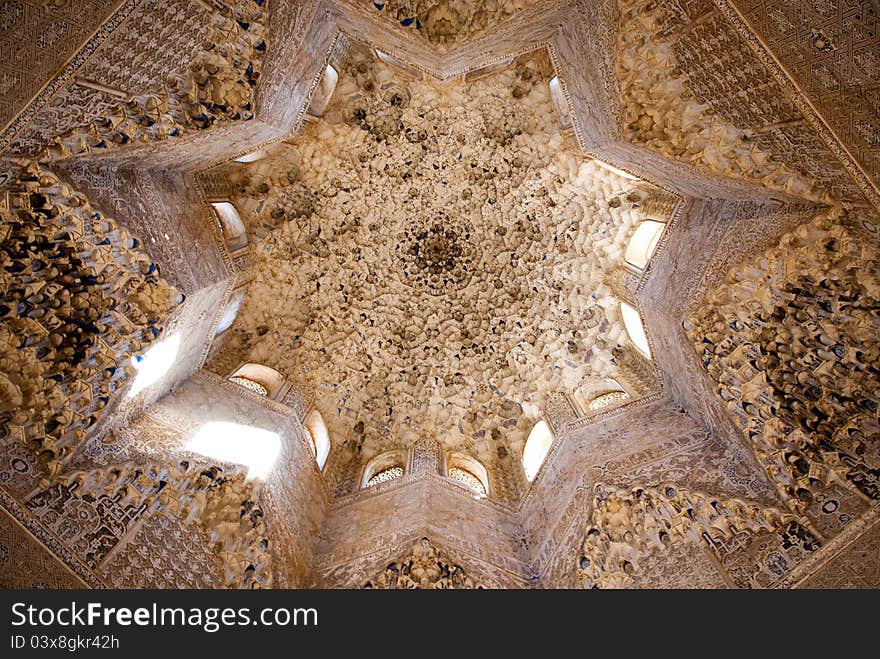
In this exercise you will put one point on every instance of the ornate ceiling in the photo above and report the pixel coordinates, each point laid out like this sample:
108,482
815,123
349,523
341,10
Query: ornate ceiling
438,259
433,256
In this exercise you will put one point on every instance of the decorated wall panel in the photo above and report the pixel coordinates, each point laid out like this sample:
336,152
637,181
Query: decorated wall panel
165,553
37,38
830,50
360,529
26,564
854,567
798,369
683,97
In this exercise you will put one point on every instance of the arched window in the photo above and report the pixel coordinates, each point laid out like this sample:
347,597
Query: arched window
615,170
230,313
386,467
635,329
467,471
387,474
560,103
607,399
319,435
259,379
230,222
466,478
247,383
597,394
537,446
323,92
255,448
643,243
253,156
154,363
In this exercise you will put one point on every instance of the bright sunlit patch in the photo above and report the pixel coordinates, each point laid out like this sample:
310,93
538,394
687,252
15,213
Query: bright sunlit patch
537,446
615,170
643,243
320,436
154,363
231,223
635,329
253,156
254,448
324,91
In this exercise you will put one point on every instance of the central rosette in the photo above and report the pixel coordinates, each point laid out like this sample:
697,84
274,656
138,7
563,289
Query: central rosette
437,255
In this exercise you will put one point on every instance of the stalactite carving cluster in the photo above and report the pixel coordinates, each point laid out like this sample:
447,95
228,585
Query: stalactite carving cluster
791,341
217,85
662,112
424,568
80,299
625,524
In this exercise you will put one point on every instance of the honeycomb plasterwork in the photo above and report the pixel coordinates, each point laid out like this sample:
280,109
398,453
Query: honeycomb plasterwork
81,299
439,252
679,98
626,525
790,343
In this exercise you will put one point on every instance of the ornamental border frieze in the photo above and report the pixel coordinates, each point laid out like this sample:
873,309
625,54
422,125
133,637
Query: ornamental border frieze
585,421
793,91
68,72
49,540
830,549
380,489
